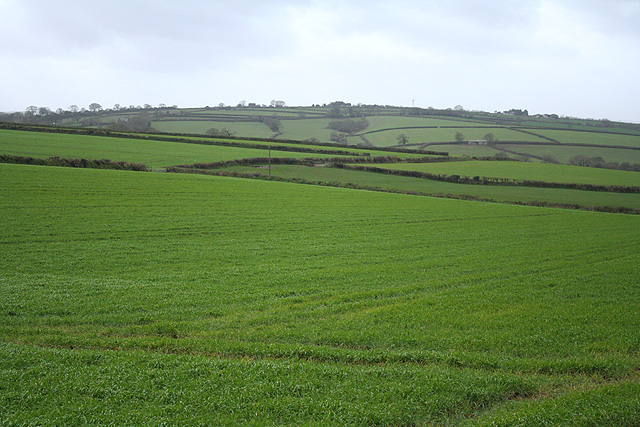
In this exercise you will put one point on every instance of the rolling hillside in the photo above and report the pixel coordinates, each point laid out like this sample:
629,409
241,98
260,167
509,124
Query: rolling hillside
264,281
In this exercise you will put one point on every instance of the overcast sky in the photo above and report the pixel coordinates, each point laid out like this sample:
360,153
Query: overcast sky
571,57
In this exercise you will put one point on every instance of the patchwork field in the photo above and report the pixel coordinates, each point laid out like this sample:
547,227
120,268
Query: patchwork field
148,298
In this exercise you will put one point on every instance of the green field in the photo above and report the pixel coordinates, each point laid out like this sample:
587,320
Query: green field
565,153
388,138
465,150
385,122
420,185
573,137
151,153
525,171
306,129
247,129
134,298
148,298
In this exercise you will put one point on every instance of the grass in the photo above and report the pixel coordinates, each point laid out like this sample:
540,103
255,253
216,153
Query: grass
247,129
567,136
384,122
525,171
306,128
152,298
496,193
151,153
466,150
388,138
249,302
565,153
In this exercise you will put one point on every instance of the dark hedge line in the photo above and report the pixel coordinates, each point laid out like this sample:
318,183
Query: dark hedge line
483,180
307,161
256,175
457,159
74,163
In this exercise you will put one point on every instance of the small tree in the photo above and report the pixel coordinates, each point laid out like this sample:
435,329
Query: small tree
273,123
95,107
402,139
490,138
460,139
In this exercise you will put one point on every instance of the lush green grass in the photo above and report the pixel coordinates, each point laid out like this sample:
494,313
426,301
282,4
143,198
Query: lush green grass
62,387
151,153
491,192
525,171
302,305
609,404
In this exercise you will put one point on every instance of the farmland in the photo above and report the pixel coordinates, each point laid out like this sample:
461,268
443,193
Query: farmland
150,298
514,194
215,273
154,153
526,171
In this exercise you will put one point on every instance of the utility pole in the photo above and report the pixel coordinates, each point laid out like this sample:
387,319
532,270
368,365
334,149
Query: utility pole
269,160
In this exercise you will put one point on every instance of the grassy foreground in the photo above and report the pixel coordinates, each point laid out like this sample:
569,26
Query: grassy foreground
136,298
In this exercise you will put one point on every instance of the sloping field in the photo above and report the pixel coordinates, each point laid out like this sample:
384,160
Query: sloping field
385,122
306,129
247,129
419,185
525,171
247,302
597,138
388,138
151,153
565,153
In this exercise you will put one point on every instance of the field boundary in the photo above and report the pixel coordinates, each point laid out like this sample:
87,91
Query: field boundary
607,209
483,180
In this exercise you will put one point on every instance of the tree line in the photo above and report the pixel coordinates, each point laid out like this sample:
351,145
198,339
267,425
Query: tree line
483,180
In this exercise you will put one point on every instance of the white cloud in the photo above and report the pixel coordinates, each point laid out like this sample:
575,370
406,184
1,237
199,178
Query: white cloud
546,55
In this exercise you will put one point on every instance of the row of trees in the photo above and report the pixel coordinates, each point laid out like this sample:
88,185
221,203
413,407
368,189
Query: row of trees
94,107
349,125
599,162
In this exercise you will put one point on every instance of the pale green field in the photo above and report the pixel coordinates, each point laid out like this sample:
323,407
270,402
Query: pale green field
564,154
248,129
388,138
525,171
567,136
306,129
384,122
465,150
